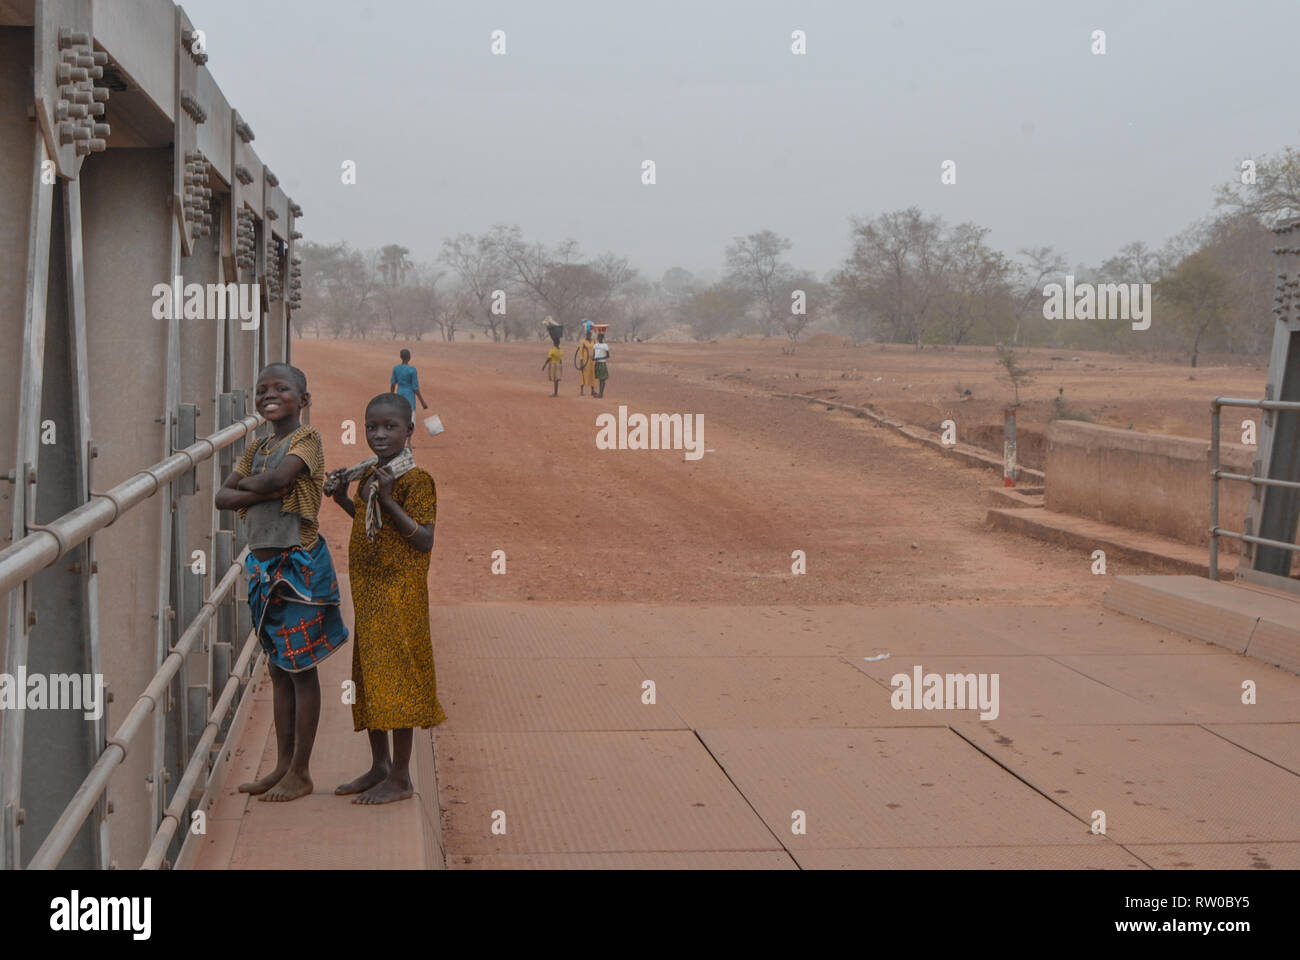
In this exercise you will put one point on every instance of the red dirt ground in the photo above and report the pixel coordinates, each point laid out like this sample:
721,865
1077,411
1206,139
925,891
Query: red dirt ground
879,518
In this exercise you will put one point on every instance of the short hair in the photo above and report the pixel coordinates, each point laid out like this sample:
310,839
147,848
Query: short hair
405,354
394,400
295,376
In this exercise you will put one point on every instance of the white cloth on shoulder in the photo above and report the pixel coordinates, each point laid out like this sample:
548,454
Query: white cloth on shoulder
400,464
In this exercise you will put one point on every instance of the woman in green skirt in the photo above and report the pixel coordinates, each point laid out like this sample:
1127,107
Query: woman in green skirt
601,353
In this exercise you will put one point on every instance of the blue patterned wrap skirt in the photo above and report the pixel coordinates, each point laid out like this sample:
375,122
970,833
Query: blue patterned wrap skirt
294,598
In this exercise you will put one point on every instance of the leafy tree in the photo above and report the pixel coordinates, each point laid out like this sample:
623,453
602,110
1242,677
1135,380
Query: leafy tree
394,263
715,311
1197,295
1275,194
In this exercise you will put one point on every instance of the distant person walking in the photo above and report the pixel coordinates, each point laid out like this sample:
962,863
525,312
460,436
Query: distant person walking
587,363
554,362
406,381
601,353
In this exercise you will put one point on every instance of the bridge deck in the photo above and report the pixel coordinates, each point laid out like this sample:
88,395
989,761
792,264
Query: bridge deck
550,757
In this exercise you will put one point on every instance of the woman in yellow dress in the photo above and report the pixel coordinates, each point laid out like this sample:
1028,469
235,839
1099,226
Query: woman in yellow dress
587,363
388,565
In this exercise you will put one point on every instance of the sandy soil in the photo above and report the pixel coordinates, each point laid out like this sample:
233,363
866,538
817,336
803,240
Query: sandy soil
880,519
923,387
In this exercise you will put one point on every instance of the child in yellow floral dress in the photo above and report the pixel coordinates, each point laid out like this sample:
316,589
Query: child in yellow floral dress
388,562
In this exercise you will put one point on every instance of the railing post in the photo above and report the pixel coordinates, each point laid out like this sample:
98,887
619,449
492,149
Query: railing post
223,655
1214,490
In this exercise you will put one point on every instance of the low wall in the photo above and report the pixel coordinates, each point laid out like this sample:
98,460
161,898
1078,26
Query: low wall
1144,481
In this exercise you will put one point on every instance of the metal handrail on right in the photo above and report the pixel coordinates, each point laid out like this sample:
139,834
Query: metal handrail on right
1216,406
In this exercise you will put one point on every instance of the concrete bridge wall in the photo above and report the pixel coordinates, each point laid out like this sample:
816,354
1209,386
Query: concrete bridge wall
1145,481
96,211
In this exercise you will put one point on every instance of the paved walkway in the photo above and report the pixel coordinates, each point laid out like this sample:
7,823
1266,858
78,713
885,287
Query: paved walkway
321,831
771,742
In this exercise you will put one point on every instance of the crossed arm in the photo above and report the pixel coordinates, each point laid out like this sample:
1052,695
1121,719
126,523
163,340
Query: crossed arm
239,491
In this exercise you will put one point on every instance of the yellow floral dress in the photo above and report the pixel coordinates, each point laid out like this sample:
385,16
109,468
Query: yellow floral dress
392,657
587,357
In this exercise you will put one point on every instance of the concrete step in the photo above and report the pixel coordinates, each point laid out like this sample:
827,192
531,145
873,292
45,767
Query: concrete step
1121,543
1016,497
1263,624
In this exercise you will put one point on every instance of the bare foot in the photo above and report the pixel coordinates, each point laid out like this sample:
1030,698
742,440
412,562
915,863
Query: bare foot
291,786
387,791
258,787
364,782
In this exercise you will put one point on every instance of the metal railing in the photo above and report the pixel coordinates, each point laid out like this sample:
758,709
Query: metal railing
1216,406
64,831
171,821
43,547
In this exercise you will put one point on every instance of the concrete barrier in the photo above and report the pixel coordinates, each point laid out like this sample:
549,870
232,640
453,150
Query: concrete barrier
1144,481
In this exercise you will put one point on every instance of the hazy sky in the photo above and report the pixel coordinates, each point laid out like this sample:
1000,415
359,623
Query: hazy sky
1053,144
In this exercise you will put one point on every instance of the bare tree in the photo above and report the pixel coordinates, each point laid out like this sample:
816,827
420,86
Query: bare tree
459,309
640,308
483,273
807,301
895,269
754,265
676,286
976,283
1041,265
558,277
341,283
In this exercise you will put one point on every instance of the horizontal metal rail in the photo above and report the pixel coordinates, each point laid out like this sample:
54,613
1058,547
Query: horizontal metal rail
1257,481
1216,405
83,801
198,761
1263,541
43,548
1255,404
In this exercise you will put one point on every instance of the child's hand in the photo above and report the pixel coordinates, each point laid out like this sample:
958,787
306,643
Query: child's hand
384,479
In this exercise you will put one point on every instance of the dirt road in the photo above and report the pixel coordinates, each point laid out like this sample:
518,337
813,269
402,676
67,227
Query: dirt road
878,519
